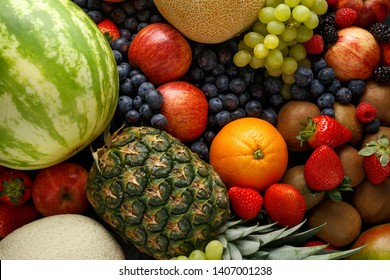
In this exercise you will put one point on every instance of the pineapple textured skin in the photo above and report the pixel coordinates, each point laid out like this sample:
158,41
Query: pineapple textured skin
154,192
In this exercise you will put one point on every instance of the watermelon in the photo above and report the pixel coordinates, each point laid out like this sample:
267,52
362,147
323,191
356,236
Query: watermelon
59,82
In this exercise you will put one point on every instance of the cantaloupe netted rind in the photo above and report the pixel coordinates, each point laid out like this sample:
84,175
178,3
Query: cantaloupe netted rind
210,21
61,237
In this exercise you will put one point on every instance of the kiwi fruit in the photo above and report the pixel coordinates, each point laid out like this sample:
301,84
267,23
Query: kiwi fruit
383,130
343,222
372,201
294,176
379,95
290,118
346,115
352,163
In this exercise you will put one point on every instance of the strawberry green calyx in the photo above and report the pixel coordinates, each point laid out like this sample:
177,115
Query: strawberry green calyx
380,148
308,130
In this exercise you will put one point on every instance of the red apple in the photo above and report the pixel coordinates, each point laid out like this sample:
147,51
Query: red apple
355,54
185,108
385,51
161,52
369,11
60,189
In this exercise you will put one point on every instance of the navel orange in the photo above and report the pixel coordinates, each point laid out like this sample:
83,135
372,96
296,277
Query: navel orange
249,152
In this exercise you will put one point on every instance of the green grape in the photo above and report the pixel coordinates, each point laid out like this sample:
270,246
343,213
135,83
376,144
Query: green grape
274,72
214,250
301,13
251,39
242,46
260,51
275,27
320,7
282,12
197,255
282,45
260,28
184,258
289,34
274,59
242,58
271,41
304,33
288,79
298,52
285,91
273,3
292,3
304,62
266,14
256,63
289,65
308,3
312,21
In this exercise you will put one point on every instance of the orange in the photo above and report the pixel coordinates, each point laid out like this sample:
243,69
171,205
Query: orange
249,152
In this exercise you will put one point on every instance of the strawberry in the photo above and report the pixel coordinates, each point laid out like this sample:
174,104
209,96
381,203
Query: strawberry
324,130
376,161
323,169
345,17
315,45
246,202
284,204
15,187
365,112
13,217
109,29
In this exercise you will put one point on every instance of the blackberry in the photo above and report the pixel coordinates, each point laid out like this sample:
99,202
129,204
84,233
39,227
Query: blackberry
382,74
380,31
329,33
329,18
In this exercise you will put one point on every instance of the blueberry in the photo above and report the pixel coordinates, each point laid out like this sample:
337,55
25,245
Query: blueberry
131,23
133,72
208,136
243,98
223,118
196,73
141,25
356,87
318,64
372,127
270,116
125,33
343,95
125,104
144,16
232,71
118,16
333,86
96,16
303,76
207,60
145,112
138,79
132,117
326,75
137,102
211,122
159,121
144,88
118,56
298,92
154,98
201,149
215,105
316,88
126,87
276,100
123,70
209,78
94,4
230,101
326,100
257,92
128,7
219,69
156,18
237,85
140,5
209,90
225,55
121,44
328,112
81,3
248,75
238,113
222,83
272,85
253,108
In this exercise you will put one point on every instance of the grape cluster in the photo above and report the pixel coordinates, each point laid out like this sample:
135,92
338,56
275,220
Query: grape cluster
213,251
276,39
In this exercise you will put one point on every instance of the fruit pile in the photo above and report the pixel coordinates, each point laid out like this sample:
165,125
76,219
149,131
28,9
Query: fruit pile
271,142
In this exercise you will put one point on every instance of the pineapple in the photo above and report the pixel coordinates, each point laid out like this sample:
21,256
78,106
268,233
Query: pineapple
157,194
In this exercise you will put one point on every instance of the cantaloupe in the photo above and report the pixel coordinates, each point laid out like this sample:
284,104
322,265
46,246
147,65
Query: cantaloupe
210,21
61,237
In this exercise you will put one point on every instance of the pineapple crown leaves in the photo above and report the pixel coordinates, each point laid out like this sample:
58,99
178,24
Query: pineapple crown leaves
308,129
380,148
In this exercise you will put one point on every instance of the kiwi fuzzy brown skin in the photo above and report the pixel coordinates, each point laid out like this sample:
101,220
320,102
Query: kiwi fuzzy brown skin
294,176
383,130
343,222
352,163
346,115
376,241
290,117
372,201
379,95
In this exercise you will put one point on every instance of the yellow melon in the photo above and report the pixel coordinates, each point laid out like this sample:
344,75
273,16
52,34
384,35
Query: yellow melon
210,21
